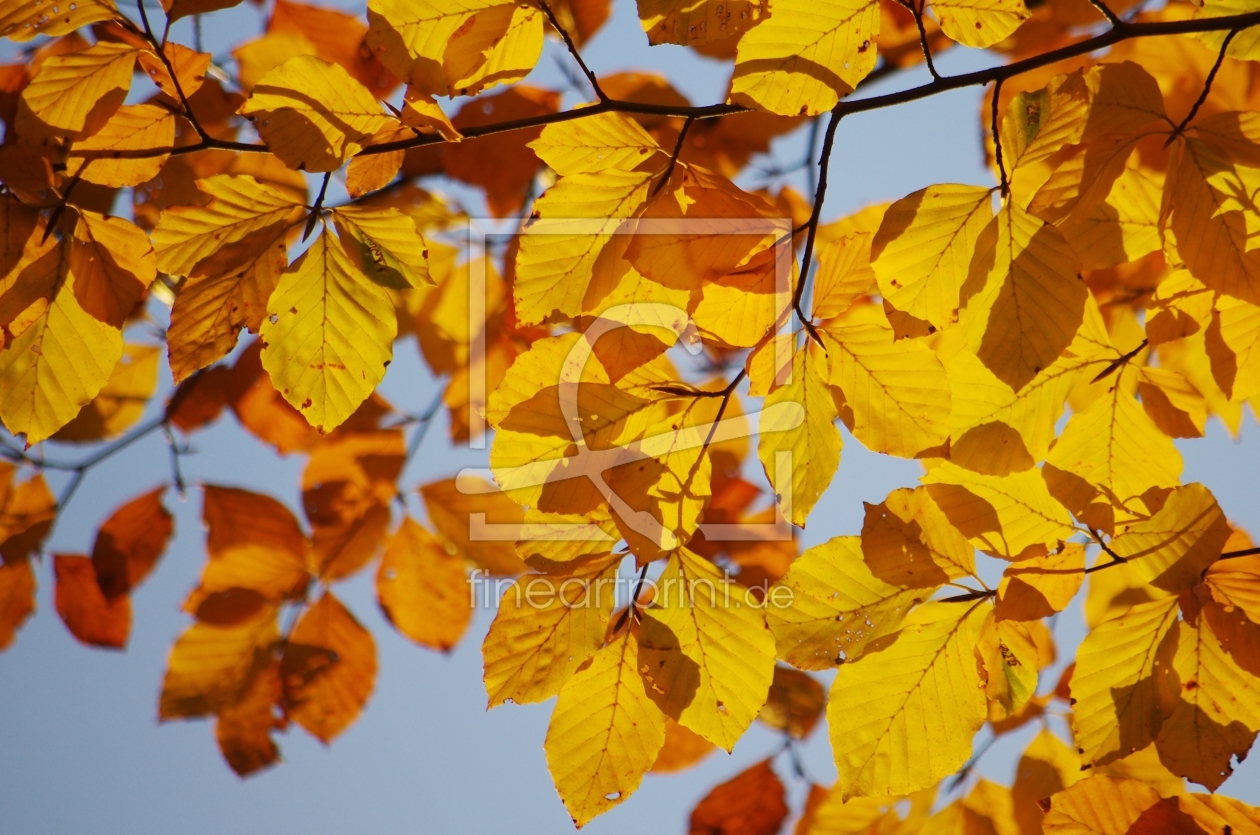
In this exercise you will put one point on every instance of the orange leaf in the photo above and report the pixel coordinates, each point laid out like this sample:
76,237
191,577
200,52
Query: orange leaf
328,669
130,542
423,590
88,614
751,803
17,599
244,728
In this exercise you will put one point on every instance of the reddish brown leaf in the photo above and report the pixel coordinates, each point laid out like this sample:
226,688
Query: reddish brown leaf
328,669
751,803
130,542
87,613
17,599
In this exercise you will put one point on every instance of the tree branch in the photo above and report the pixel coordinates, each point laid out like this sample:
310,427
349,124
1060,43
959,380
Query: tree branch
1207,88
820,195
573,50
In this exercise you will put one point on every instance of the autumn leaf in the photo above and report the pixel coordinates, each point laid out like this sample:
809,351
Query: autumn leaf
423,589
605,732
544,633
903,718
328,336
89,615
1125,681
317,130
130,542
750,803
837,606
328,669
707,655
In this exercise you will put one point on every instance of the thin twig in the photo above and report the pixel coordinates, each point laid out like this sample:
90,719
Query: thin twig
673,158
633,605
969,596
1207,88
158,47
317,208
1004,182
917,11
1105,11
573,50
820,194
1246,552
1118,363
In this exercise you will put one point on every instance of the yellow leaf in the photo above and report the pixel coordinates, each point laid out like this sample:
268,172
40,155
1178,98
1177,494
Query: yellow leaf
411,38
557,259
1038,123
1216,813
1121,228
996,430
1237,368
545,630
328,669
980,23
1009,654
1176,406
56,365
904,717
422,589
113,264
22,20
602,142
834,606
121,402
329,335
1047,767
1098,805
194,240
260,56
1218,714
844,274
924,247
1013,517
391,250
331,118
605,732
190,69
1202,209
707,656
799,440
499,45
907,541
1173,548
897,389
1108,456
77,92
805,56
688,22
1028,300
1233,583
1038,587
1245,44
1125,682
209,665
102,157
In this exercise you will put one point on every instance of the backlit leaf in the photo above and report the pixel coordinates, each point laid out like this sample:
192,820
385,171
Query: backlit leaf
605,732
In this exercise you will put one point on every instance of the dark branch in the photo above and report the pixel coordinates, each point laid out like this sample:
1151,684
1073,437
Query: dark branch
1118,363
1207,88
573,50
673,158
995,128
